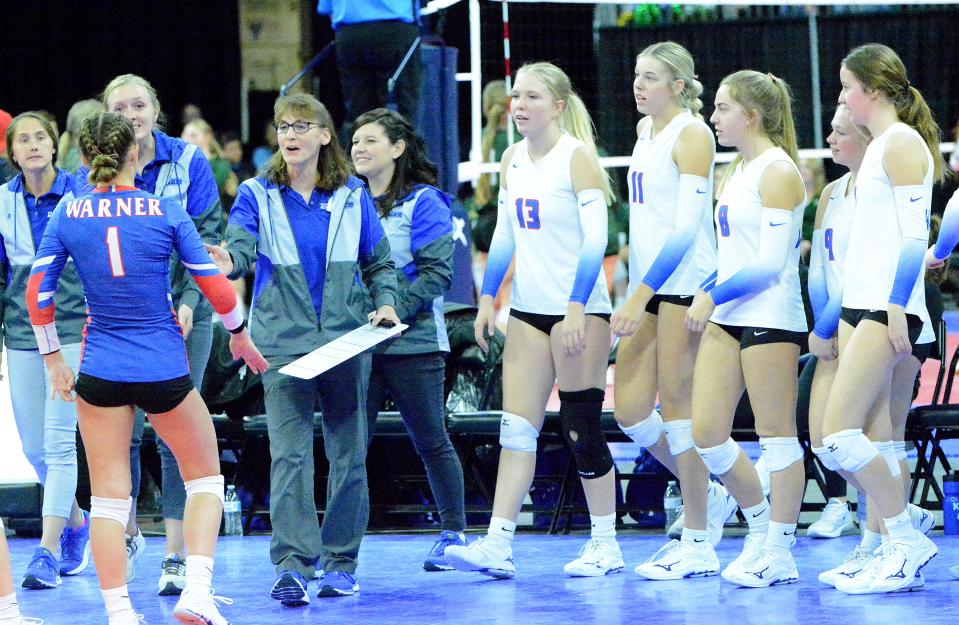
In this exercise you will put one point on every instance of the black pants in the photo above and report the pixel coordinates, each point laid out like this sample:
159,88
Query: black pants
415,382
367,55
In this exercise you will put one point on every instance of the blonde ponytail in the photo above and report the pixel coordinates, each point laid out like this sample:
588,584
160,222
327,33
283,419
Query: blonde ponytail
576,119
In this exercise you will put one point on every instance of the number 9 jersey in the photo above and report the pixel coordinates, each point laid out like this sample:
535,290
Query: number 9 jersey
544,218
121,240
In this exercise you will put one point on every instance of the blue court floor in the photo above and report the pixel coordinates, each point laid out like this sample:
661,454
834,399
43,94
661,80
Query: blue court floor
394,589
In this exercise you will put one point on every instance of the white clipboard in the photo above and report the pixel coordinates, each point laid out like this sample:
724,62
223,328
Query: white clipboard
340,350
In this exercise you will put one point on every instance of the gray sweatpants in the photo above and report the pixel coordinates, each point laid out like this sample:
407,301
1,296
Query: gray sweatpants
299,543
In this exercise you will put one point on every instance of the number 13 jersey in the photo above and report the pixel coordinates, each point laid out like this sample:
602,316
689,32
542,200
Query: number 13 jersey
544,217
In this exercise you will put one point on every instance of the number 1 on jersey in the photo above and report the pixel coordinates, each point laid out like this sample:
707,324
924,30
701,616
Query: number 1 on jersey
113,247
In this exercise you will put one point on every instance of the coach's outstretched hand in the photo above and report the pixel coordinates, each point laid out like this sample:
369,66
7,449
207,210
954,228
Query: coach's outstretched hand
61,377
241,346
221,258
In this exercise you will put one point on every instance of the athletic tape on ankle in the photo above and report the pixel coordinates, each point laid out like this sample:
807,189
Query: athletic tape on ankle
780,452
679,435
721,458
900,447
113,509
212,485
647,432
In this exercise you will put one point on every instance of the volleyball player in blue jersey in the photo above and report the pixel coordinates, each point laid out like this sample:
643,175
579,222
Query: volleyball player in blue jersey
121,239
168,167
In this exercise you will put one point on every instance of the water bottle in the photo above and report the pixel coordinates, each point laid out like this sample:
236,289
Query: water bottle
232,514
672,501
861,511
950,503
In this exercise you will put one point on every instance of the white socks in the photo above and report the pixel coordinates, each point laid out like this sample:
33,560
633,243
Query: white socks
780,536
9,608
758,517
501,531
117,600
603,527
199,574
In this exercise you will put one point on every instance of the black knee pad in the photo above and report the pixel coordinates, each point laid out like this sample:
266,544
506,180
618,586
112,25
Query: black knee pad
580,412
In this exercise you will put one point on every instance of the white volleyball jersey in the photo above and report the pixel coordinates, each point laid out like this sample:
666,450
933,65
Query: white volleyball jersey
875,240
739,215
653,194
544,215
836,224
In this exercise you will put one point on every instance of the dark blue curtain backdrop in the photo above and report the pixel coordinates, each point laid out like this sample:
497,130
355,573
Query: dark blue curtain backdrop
53,53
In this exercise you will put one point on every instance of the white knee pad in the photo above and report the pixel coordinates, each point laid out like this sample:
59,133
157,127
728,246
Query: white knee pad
211,485
721,458
888,451
647,431
851,449
114,509
517,434
679,434
900,447
826,458
780,452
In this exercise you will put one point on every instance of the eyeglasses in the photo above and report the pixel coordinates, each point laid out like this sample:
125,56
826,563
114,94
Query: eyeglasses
298,127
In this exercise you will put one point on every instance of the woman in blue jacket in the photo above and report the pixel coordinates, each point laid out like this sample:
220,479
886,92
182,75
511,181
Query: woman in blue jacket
47,427
321,256
417,219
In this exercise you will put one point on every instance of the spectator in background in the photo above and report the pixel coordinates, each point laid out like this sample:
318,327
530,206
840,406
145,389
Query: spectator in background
372,39
68,154
814,179
954,159
6,169
263,153
482,207
51,119
191,112
233,152
199,133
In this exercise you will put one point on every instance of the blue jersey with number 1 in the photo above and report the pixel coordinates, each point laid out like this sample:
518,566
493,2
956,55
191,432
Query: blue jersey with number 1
121,239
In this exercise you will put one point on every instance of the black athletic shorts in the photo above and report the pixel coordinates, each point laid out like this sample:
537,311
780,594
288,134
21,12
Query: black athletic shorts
853,316
921,351
680,300
545,323
152,397
750,335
